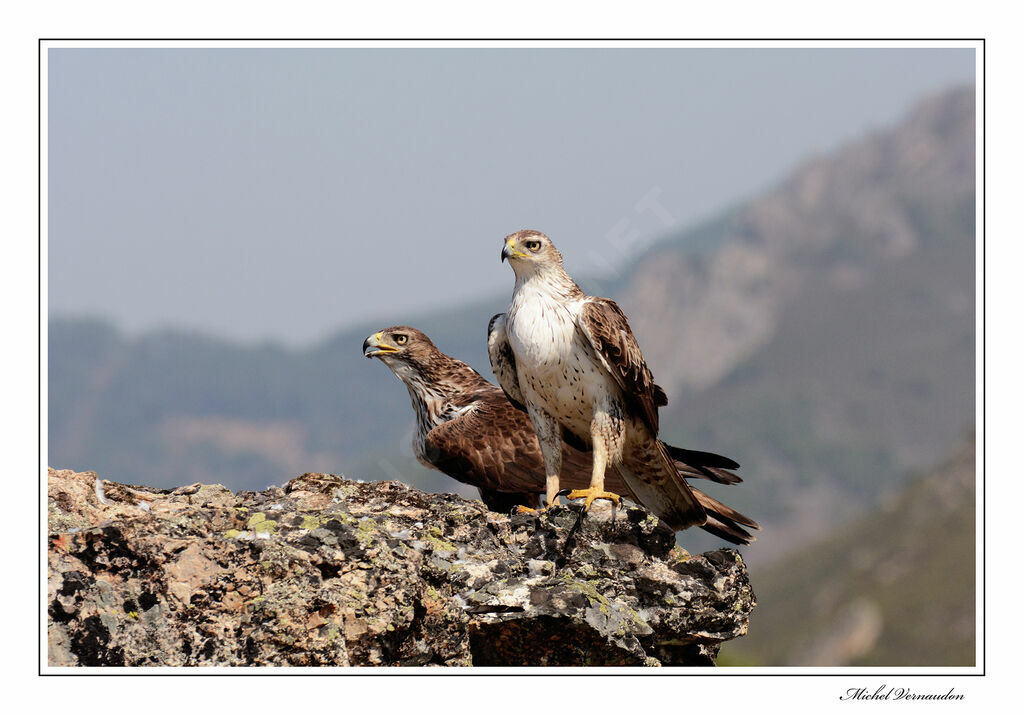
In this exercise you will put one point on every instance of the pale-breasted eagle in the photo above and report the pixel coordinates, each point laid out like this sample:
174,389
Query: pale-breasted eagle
468,429
575,366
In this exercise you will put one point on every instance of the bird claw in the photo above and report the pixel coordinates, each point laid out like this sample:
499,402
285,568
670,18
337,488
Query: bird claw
590,495
518,510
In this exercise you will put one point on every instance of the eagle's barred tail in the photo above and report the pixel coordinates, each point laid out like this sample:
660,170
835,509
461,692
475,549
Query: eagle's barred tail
725,522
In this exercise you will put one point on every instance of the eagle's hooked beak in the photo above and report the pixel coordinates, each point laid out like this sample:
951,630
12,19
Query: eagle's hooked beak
509,250
373,346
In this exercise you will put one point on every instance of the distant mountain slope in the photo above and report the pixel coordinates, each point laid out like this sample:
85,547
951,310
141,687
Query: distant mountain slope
822,334
828,342
895,588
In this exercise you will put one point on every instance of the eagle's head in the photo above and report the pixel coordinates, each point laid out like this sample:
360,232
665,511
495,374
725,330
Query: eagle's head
425,370
530,252
400,345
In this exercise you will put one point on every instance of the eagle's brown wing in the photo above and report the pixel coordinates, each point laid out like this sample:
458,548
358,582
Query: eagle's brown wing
493,446
606,328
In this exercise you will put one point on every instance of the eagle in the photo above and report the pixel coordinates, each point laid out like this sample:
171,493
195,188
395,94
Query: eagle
571,360
467,428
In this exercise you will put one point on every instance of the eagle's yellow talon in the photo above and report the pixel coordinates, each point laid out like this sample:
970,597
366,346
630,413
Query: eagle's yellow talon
520,509
590,495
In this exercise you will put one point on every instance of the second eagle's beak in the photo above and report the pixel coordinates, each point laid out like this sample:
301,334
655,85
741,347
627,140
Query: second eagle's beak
373,346
509,250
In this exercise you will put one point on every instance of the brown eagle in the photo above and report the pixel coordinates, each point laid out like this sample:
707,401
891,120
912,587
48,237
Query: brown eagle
571,360
467,428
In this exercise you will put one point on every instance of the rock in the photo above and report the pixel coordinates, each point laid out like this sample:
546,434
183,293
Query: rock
327,571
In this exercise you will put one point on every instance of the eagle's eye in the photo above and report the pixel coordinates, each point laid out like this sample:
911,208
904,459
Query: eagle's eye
401,339
532,246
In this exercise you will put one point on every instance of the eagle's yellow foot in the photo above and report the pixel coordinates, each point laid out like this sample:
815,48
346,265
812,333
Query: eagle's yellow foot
590,495
520,509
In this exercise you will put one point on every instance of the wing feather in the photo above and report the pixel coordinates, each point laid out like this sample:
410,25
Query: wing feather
503,361
605,326
492,446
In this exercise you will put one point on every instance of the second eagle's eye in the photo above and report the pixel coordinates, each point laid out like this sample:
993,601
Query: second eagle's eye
401,339
533,245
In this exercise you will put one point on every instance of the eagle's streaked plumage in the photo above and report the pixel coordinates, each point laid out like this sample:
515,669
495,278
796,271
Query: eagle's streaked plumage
468,429
571,360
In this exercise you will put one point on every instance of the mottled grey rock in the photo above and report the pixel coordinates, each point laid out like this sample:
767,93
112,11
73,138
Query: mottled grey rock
328,571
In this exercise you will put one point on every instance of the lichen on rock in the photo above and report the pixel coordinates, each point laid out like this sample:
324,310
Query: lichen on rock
327,571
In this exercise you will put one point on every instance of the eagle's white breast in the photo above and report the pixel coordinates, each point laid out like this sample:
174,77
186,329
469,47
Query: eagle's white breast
556,366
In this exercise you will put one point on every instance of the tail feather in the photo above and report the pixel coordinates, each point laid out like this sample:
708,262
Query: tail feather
725,522
665,492
701,459
703,465
733,534
721,476
716,507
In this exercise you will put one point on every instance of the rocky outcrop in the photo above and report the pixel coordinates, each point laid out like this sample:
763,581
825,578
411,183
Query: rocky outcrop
327,571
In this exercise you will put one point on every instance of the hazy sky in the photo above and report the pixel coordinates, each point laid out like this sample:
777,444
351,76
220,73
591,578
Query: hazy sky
284,194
